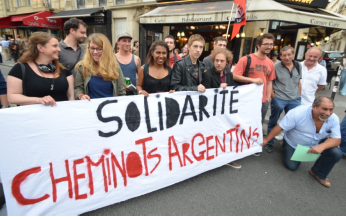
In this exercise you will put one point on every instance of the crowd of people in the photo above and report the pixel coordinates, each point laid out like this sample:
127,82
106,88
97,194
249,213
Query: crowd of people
50,71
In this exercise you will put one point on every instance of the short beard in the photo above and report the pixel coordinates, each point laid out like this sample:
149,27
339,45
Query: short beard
322,119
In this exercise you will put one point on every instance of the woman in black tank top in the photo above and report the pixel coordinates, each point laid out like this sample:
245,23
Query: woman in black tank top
155,75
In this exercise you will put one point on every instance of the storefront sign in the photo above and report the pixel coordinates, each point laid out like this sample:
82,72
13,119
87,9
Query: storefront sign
193,20
307,3
40,20
99,19
325,23
79,156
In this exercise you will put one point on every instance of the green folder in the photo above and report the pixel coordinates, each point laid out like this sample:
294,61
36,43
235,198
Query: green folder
301,154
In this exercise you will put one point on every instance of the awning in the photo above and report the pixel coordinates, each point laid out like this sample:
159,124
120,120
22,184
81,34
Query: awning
19,18
5,22
41,19
76,13
257,10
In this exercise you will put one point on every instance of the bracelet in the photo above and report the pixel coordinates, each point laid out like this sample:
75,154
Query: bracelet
139,92
6,106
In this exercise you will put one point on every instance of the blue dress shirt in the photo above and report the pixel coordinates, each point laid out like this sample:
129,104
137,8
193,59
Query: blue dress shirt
300,128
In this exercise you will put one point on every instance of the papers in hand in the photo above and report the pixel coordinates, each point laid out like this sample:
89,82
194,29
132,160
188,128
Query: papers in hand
301,154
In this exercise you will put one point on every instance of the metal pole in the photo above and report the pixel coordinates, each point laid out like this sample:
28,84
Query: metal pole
229,20
336,83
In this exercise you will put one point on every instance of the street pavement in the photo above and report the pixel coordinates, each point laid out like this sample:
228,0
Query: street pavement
263,186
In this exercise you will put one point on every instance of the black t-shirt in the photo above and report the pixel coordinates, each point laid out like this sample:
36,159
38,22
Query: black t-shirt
38,86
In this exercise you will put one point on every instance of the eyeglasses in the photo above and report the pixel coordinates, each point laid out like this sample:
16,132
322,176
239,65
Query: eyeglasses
98,50
268,45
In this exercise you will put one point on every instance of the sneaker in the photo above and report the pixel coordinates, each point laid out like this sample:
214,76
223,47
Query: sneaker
280,136
257,154
234,164
268,148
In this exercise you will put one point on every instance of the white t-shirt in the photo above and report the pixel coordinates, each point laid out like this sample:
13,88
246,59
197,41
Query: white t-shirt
310,79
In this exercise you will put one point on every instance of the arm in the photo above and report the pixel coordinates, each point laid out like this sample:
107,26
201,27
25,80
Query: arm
70,91
15,94
269,90
140,81
79,83
300,88
329,143
176,80
121,83
243,79
3,100
138,63
275,131
320,87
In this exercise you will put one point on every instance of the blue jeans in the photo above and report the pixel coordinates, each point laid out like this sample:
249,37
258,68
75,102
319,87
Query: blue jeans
277,106
343,136
342,86
322,166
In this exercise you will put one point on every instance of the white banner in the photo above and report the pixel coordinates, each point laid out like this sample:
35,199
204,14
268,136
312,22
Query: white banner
83,155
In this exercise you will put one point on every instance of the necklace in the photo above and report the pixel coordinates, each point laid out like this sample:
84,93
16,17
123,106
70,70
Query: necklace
51,85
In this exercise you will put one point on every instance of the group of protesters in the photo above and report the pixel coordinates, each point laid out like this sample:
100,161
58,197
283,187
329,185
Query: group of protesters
50,71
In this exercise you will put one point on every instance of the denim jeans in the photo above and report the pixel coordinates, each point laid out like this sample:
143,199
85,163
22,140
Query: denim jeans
342,86
322,166
343,136
277,106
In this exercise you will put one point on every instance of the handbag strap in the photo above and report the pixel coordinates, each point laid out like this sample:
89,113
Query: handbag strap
23,78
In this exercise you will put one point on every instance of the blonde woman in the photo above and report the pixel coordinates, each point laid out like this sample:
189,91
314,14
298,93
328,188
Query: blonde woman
98,74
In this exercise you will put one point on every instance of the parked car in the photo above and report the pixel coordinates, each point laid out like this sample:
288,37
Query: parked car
331,56
336,63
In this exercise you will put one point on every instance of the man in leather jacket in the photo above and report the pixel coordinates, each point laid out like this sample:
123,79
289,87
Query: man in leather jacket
187,72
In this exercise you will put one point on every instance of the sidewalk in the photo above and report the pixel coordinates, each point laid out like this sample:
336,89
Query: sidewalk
9,63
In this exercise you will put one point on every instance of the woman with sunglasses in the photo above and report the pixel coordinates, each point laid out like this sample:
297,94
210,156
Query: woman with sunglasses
98,74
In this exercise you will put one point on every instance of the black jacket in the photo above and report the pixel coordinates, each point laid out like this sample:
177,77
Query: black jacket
211,79
183,76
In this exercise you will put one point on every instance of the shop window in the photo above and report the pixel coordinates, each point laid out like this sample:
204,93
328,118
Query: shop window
19,3
119,2
80,4
102,2
8,6
120,26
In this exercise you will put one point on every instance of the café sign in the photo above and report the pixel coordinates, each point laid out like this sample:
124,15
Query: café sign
307,3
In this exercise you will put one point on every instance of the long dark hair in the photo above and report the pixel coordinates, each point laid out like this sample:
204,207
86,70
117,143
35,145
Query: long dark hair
150,58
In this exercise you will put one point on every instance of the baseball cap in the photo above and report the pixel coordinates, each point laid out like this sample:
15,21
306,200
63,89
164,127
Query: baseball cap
124,35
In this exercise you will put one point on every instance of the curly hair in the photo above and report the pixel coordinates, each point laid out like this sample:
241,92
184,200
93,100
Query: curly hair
228,54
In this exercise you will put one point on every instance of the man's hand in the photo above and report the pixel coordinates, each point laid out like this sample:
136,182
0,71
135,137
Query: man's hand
265,141
223,85
258,81
318,149
201,88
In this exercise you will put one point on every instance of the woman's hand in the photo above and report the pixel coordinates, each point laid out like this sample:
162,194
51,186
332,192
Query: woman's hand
171,91
143,92
47,100
84,97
